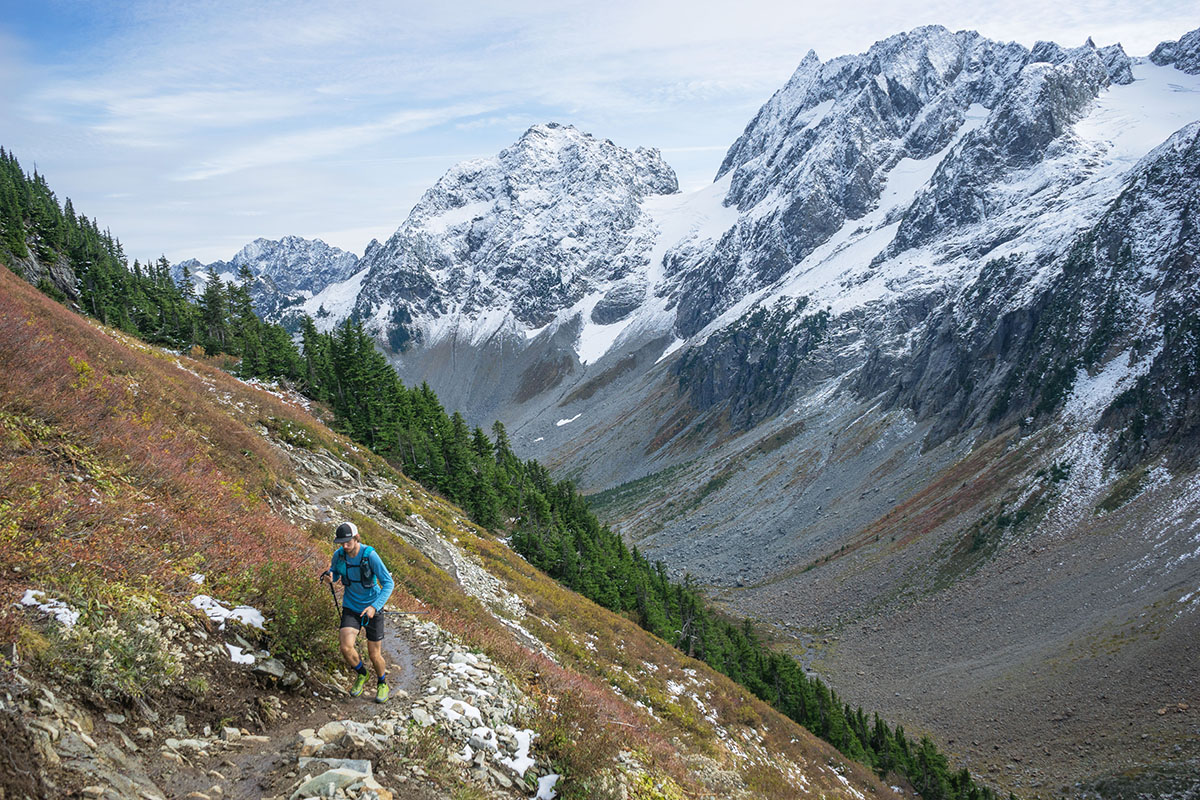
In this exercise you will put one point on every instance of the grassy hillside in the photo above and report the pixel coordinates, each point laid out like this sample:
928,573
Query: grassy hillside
128,472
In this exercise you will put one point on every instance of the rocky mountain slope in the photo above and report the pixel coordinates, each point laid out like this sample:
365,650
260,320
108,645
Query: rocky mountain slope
166,635
932,327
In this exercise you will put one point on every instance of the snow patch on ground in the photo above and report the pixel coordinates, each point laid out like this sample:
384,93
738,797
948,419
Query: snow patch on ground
671,348
521,760
1091,394
1131,120
56,608
454,217
238,656
454,710
220,613
562,422
545,790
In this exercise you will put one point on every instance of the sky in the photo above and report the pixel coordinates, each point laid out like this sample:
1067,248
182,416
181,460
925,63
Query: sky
189,128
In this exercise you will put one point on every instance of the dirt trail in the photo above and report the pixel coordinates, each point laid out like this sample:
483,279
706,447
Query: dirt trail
263,768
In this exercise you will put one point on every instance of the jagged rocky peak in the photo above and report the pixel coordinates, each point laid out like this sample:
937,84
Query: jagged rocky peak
1184,54
528,232
880,95
288,265
1114,58
1053,91
296,264
820,153
286,271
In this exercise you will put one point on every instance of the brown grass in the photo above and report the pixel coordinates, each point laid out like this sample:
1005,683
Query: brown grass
120,470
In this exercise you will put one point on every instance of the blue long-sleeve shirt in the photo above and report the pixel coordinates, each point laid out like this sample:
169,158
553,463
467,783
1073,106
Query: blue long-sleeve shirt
357,597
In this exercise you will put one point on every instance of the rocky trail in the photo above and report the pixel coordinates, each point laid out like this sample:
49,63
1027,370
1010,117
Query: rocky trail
241,766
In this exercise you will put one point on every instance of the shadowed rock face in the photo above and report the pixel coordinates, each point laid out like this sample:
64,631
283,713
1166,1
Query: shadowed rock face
818,153
619,302
1044,101
1119,292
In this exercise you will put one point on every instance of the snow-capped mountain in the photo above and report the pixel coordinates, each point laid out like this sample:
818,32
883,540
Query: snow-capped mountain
934,324
552,224
286,271
870,190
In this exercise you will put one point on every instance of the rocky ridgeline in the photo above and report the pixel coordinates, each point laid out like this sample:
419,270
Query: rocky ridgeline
531,231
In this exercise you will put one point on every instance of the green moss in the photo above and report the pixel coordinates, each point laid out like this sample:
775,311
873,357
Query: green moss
395,508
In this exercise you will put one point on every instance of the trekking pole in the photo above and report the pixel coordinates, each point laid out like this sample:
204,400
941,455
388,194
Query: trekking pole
333,594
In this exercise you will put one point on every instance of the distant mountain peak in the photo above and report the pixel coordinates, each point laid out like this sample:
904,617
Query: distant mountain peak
286,270
516,238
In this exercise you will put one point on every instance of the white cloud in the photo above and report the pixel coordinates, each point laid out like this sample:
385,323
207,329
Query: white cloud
317,144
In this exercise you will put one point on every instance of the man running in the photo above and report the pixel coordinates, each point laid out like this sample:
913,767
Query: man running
368,585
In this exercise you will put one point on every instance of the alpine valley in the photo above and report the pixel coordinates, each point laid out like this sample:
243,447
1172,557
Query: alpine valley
915,381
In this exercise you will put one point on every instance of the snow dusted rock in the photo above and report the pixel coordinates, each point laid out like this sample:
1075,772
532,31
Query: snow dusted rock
818,153
295,264
509,242
327,783
469,699
1044,101
1184,54
286,271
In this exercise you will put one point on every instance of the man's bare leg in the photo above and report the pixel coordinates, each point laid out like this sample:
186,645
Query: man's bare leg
375,653
346,637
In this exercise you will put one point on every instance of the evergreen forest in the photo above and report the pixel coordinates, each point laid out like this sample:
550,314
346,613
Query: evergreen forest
548,521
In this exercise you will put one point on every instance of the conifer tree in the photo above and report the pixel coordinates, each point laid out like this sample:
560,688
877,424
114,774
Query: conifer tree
213,314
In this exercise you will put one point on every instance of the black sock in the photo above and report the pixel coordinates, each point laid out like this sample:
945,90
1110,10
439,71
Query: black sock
383,678
361,668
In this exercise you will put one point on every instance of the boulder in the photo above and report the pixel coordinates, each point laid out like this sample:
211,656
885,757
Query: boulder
320,785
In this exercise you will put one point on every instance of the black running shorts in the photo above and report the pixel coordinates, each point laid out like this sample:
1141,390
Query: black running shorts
374,625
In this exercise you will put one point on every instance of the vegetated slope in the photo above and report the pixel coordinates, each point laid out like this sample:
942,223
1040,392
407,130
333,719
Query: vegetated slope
132,472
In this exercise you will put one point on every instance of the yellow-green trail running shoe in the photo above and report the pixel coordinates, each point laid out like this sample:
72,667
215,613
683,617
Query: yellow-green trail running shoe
382,693
359,683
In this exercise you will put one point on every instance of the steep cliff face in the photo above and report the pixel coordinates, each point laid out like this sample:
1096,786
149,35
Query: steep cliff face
1184,54
819,153
1112,305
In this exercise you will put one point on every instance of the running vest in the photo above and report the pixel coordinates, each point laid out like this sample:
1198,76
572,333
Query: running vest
366,575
